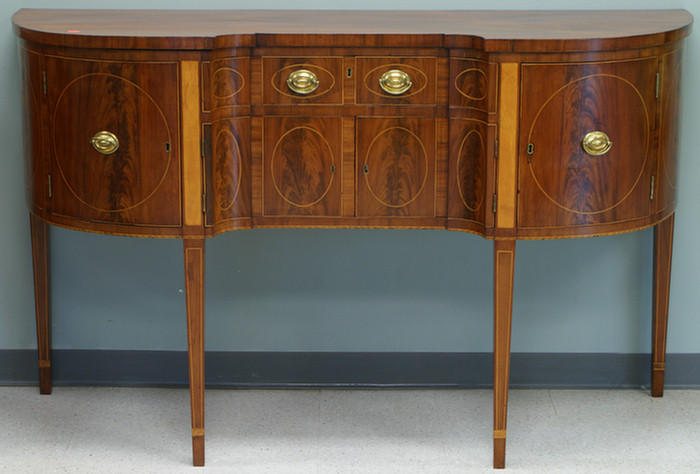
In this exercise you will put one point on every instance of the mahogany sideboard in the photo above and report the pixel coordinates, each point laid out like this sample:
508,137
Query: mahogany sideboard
510,125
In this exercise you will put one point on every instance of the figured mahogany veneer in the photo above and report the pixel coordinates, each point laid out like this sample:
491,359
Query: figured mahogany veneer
510,125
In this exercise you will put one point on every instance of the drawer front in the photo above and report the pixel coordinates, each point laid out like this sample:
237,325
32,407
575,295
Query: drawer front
302,166
396,80
302,80
567,180
396,167
473,84
228,81
114,141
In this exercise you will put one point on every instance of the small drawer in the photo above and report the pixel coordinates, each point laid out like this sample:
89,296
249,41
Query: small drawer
396,80
300,80
473,84
228,82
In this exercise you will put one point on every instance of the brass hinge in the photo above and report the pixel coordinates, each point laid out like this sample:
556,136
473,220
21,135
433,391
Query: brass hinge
204,203
44,84
50,188
202,148
651,192
494,204
658,85
495,148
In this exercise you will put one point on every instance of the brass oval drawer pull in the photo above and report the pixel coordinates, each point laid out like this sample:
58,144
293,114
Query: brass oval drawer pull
105,142
302,81
596,143
395,82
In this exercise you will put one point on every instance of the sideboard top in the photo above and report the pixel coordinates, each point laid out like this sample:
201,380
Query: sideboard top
505,31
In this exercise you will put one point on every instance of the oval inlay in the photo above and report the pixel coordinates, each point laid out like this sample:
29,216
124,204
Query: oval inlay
472,84
418,78
301,166
471,163
397,167
226,83
122,180
326,80
227,169
578,182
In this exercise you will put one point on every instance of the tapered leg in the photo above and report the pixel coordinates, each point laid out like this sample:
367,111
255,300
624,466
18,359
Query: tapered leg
194,287
663,246
40,260
503,266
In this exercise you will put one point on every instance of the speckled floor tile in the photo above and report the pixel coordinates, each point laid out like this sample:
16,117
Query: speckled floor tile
118,430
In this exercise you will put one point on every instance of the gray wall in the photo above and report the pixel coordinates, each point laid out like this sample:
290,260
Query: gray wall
346,290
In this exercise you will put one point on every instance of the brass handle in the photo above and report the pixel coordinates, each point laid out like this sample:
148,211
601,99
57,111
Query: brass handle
596,143
395,82
105,142
302,81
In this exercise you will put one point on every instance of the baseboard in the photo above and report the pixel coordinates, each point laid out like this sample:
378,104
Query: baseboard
347,369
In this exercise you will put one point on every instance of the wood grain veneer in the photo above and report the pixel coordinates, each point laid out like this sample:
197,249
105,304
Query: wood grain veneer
487,139
519,31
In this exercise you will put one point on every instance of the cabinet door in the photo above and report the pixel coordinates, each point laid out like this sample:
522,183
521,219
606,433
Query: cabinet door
227,170
562,184
302,162
114,137
468,170
396,167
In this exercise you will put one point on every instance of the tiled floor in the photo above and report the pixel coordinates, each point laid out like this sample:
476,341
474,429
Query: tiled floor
130,430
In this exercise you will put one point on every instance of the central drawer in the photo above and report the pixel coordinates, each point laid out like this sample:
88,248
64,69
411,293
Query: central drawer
302,80
396,80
